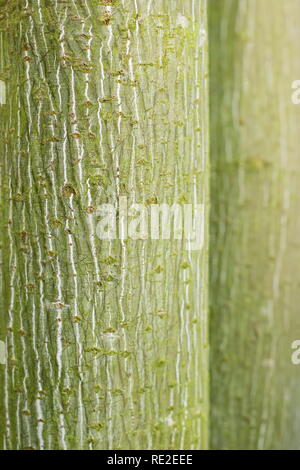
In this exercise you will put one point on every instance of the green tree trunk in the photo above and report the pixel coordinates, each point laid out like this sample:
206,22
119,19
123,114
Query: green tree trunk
106,340
254,223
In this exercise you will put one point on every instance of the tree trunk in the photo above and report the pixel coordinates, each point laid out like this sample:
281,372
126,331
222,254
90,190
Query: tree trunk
106,339
254,223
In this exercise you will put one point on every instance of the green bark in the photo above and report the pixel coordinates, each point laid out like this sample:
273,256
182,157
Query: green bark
254,59
106,340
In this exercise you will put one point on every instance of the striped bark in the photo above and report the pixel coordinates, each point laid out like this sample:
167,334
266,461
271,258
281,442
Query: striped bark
106,340
255,223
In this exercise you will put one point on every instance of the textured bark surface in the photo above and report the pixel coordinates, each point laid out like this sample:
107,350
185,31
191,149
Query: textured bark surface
106,340
255,223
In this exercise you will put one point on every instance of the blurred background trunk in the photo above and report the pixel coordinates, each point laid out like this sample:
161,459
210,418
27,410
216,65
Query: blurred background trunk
255,223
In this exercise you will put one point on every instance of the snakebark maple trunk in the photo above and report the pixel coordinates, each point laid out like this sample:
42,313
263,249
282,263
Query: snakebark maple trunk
106,340
254,223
